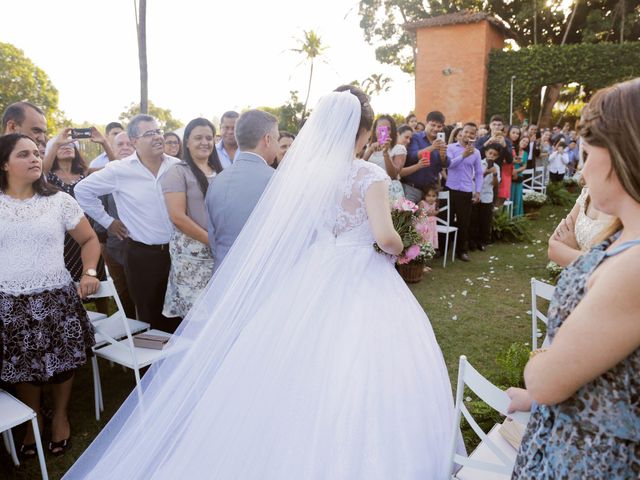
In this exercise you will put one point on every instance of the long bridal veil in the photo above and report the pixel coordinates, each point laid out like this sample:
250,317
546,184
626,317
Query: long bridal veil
296,204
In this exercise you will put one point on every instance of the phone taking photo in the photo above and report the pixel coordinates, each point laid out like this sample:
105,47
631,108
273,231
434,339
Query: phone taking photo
382,133
80,133
440,136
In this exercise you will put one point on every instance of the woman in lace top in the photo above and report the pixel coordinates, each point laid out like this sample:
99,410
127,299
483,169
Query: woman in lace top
578,232
44,330
584,390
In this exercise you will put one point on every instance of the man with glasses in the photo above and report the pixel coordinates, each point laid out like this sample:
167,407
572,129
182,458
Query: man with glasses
135,184
27,119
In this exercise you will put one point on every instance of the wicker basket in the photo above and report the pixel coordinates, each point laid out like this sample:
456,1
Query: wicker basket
412,272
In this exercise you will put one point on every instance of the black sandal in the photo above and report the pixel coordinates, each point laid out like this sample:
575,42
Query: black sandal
60,447
28,450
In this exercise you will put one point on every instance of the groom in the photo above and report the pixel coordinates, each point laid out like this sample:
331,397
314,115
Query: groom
234,193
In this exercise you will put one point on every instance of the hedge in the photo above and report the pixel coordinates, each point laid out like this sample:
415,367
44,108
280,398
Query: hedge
593,65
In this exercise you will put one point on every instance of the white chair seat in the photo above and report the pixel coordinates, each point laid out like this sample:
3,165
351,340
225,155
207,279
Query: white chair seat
120,353
483,453
117,330
95,316
445,229
14,412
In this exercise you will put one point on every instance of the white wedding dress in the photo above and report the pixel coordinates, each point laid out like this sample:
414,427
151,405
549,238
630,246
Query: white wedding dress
335,375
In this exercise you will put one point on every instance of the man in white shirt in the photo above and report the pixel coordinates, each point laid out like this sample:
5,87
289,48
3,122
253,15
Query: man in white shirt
135,184
227,147
112,130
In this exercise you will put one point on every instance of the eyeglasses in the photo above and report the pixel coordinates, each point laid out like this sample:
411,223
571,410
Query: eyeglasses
172,142
151,133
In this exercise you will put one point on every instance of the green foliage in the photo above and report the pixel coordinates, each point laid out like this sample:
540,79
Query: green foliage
511,363
554,270
515,229
593,21
289,114
21,80
557,194
165,119
593,66
483,414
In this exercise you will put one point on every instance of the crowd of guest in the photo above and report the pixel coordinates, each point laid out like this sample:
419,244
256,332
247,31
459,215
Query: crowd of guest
142,213
482,167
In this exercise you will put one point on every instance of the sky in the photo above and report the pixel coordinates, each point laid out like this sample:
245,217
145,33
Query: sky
204,57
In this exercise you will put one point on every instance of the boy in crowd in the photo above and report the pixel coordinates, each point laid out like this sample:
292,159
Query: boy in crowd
482,214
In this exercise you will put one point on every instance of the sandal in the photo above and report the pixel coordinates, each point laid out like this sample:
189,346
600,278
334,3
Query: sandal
59,448
28,450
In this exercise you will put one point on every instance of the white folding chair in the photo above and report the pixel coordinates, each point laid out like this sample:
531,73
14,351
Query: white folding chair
544,291
114,327
114,342
539,182
494,458
446,228
508,204
12,413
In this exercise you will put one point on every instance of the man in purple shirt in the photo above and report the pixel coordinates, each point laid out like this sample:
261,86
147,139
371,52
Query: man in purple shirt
465,165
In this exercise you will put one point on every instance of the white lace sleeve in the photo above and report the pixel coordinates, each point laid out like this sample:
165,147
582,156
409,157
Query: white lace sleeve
370,174
71,211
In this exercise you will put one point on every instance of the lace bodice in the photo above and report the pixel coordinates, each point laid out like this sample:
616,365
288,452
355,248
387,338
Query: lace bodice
32,241
348,220
587,229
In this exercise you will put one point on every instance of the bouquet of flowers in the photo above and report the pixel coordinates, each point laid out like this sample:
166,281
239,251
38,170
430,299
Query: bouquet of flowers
409,220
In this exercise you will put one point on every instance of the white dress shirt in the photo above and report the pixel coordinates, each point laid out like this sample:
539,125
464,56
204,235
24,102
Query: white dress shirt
138,196
558,162
225,160
100,161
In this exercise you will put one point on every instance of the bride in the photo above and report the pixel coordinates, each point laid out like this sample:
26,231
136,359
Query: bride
306,357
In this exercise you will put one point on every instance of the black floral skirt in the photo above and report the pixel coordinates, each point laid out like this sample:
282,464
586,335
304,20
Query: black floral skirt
43,334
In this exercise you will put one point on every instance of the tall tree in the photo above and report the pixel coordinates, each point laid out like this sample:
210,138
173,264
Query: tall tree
311,47
141,29
21,80
376,83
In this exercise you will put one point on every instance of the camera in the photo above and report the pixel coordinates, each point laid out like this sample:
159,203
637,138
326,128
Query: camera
440,136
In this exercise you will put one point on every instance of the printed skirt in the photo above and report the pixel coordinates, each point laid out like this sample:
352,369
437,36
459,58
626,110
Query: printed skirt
43,334
191,270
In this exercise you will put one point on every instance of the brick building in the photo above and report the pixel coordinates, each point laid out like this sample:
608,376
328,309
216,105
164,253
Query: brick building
452,63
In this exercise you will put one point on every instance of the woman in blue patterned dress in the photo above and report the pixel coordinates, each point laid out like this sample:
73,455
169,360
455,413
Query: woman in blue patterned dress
584,391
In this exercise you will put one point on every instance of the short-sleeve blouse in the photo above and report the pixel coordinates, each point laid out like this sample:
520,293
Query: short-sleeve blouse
32,233
180,178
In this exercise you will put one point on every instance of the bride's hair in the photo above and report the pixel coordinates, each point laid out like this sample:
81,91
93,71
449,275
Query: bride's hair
366,112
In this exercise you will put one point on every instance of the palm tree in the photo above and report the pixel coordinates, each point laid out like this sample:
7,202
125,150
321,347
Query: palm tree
141,28
376,84
311,47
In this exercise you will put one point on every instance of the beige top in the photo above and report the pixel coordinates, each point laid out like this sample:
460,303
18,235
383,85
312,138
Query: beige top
588,229
180,178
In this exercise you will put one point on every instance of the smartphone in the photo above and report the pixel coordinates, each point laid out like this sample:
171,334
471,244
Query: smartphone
80,133
382,133
440,136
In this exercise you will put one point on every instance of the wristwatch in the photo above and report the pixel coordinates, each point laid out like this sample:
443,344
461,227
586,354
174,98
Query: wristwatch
91,273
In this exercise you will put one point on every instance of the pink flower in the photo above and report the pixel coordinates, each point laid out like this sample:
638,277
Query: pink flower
405,205
412,252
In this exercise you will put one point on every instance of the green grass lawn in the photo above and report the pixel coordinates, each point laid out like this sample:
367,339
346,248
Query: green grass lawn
477,309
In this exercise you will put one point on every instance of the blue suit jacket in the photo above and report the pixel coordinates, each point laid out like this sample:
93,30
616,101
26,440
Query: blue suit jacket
231,197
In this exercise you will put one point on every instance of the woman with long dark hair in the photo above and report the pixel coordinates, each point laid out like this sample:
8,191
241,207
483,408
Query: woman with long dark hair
66,170
185,187
44,330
